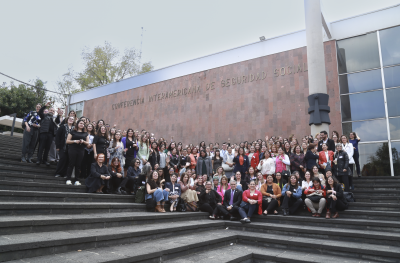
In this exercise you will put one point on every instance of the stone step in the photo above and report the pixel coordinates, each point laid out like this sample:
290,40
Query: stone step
242,253
28,168
378,199
366,178
32,177
49,208
176,248
359,214
30,245
386,187
375,192
337,223
374,206
318,232
11,225
37,196
44,187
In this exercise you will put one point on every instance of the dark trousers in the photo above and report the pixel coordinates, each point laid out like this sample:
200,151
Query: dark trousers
335,205
356,158
344,179
44,146
75,160
88,159
248,210
351,167
29,141
291,203
228,213
210,209
62,165
115,183
129,184
271,206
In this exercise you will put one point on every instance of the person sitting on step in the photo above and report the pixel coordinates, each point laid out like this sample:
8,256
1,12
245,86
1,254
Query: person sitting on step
335,200
208,201
292,196
252,203
271,196
154,189
232,200
99,176
315,197
174,190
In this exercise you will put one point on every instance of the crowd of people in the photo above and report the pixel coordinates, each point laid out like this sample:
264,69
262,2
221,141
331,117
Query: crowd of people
228,180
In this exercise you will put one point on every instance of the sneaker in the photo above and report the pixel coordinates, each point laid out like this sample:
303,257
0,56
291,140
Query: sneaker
77,183
69,182
23,159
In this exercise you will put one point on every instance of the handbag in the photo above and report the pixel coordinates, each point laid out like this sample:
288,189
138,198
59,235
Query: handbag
267,198
181,206
314,198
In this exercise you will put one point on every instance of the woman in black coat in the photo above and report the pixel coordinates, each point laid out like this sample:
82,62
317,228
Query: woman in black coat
99,176
241,163
335,200
311,156
341,166
208,200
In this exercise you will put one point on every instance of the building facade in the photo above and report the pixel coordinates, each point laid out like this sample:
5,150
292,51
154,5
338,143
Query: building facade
262,88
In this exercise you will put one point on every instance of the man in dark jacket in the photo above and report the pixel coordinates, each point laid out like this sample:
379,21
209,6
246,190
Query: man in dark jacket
31,131
324,139
62,147
232,200
341,161
47,131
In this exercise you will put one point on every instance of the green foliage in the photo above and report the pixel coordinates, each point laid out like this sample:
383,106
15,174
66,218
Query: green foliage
21,99
104,65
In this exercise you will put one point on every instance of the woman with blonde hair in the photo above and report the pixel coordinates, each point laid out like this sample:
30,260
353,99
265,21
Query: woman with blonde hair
188,192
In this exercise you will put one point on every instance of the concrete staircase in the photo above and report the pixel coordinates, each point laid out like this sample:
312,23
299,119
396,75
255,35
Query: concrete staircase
43,220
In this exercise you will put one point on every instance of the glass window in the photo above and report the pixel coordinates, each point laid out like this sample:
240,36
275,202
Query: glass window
392,77
394,126
390,46
374,159
393,99
367,130
363,106
358,53
396,159
362,81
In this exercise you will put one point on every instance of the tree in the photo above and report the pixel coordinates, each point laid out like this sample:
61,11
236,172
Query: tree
66,86
104,65
22,98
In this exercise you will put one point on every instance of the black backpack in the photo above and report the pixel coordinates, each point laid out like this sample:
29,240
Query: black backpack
140,193
349,197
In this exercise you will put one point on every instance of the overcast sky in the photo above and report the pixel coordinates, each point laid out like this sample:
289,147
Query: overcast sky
43,38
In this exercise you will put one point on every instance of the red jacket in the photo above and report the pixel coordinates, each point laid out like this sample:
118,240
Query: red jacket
307,192
322,157
257,196
255,159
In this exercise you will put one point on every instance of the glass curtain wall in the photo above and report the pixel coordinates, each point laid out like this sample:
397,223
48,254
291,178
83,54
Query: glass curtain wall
369,75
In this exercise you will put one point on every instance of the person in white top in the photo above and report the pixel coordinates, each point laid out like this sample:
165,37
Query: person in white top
307,182
266,165
349,149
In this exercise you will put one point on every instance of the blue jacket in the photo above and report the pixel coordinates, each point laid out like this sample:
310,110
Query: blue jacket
177,187
297,194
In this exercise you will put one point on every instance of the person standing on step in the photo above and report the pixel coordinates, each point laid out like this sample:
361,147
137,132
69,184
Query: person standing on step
324,139
77,140
47,131
335,200
100,142
354,140
144,150
31,131
231,202
341,160
204,165
292,196
130,148
155,190
88,156
62,147
116,148
348,147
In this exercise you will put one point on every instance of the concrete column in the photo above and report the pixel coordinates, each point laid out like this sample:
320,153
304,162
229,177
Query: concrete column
315,55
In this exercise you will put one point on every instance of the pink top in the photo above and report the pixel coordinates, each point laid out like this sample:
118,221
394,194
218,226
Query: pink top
221,191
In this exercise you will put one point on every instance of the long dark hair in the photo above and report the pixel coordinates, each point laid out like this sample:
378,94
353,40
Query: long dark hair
115,140
100,134
133,135
93,132
84,126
